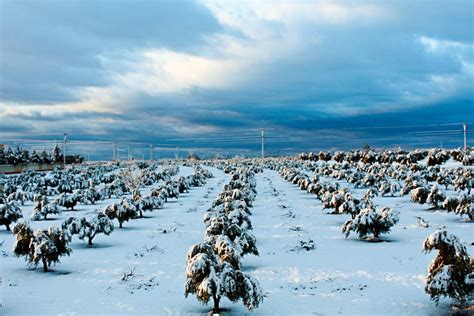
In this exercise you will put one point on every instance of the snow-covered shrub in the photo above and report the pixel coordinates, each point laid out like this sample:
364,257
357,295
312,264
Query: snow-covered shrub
9,213
436,157
19,196
450,204
233,223
202,274
350,206
369,221
183,185
465,206
451,273
67,200
149,203
468,160
45,246
210,278
435,196
227,251
65,187
419,195
43,207
159,192
337,198
171,188
388,188
121,211
115,189
463,181
461,205
136,195
90,195
246,240
369,195
130,206
237,285
88,227
132,177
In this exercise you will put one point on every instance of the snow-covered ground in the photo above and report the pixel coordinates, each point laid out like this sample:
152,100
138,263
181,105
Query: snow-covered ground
339,275
347,276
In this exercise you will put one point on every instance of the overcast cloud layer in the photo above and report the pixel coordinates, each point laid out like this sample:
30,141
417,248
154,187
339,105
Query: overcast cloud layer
151,71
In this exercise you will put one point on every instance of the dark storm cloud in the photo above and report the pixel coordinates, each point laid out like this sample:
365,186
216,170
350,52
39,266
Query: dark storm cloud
49,48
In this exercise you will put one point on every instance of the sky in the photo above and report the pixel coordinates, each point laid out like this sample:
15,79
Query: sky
208,75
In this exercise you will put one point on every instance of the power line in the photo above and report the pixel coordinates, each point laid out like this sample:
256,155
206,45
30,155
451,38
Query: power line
434,132
402,126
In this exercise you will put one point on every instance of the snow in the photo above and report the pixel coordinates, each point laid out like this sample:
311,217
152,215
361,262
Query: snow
141,268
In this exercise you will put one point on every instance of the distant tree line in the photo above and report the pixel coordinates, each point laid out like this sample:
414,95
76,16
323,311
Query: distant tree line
19,156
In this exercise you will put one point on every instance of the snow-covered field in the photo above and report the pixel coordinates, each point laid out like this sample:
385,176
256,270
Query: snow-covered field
339,276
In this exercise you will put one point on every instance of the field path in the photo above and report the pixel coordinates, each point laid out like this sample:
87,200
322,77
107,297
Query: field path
339,275
90,280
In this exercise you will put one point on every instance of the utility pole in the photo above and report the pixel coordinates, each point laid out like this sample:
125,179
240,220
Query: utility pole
116,150
128,153
64,149
151,152
263,143
464,125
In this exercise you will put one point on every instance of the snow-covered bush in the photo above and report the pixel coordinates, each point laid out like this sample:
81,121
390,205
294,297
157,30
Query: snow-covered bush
67,200
419,195
371,222
465,206
43,207
136,195
19,196
461,205
208,277
436,157
450,204
159,192
202,274
227,251
133,177
435,196
468,160
172,189
88,227
149,203
90,195
337,198
235,225
65,187
451,273
45,246
122,211
350,206
115,189
183,185
9,213
463,181
388,188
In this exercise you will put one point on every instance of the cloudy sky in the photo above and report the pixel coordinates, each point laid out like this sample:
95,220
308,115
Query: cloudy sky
202,74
